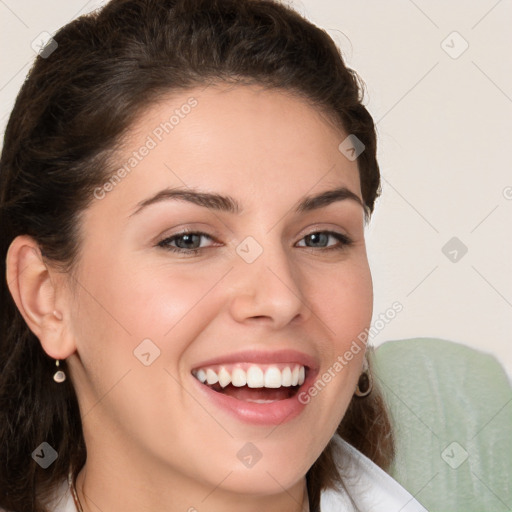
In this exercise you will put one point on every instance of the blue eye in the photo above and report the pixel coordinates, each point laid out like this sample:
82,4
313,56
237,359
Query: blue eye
189,242
193,242
324,239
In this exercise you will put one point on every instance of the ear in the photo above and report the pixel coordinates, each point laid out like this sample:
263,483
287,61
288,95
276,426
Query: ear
36,290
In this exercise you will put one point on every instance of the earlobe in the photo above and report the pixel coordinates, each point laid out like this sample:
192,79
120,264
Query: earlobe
30,282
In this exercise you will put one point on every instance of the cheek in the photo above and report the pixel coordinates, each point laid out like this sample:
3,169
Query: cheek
130,301
170,303
343,299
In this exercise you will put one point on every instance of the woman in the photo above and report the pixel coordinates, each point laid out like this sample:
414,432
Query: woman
184,190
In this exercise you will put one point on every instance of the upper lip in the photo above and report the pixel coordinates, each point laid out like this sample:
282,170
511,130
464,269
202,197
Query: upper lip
263,357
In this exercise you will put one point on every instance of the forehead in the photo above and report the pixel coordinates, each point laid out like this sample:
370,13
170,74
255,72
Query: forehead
245,140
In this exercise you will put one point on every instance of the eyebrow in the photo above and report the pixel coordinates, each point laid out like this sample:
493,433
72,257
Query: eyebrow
228,204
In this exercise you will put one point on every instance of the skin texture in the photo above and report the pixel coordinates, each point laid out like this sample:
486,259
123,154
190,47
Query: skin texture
153,442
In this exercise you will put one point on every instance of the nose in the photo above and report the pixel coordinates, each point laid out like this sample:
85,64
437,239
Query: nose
268,290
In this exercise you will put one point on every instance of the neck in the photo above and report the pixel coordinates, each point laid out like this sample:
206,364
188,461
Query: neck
100,486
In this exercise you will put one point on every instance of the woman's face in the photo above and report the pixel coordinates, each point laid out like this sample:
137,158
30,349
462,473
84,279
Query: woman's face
267,286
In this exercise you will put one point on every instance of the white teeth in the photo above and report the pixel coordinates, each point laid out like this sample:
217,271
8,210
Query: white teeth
260,401
273,378
238,378
295,376
302,375
211,377
201,376
286,377
255,377
224,377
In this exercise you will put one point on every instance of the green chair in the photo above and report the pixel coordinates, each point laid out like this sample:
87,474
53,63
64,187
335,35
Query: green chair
452,411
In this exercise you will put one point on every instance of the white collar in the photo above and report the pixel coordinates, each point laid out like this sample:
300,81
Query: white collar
369,487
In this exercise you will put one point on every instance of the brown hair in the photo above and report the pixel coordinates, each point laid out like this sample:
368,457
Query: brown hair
76,104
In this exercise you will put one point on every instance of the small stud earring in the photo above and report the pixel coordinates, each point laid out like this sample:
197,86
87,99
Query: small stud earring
59,376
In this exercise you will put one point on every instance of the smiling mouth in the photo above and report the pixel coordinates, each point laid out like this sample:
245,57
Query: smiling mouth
256,383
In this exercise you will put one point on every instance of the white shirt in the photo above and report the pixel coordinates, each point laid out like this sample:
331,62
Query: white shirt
370,489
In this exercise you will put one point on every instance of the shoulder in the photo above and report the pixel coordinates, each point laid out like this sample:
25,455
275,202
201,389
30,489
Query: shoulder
367,486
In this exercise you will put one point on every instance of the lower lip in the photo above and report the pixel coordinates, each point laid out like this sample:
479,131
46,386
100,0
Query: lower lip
273,413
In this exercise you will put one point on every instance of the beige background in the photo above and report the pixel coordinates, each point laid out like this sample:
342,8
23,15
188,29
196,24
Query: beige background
444,119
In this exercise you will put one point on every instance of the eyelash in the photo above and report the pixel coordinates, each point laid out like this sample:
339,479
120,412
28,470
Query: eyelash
343,242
